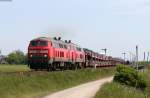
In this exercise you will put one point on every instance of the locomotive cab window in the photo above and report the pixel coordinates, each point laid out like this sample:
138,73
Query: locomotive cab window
39,43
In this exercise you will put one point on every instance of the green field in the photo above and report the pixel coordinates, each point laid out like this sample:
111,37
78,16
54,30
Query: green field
13,68
31,85
116,90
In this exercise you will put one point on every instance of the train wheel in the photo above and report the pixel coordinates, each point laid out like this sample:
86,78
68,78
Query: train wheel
49,68
74,67
36,69
53,68
65,67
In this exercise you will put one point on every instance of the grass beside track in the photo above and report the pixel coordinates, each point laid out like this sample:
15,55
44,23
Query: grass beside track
13,68
116,90
31,85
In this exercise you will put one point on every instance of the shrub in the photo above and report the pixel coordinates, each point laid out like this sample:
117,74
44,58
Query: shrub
17,57
129,76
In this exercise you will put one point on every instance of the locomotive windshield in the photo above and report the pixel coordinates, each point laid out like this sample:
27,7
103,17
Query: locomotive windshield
38,43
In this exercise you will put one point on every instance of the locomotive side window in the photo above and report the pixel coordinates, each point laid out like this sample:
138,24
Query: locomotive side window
65,46
55,45
60,46
78,49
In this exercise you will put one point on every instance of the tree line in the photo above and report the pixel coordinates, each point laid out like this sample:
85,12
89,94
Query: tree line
16,57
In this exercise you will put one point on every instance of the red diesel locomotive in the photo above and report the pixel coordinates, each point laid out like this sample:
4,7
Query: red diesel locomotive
53,53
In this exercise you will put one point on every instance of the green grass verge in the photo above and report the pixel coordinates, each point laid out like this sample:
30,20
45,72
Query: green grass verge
13,68
31,85
116,90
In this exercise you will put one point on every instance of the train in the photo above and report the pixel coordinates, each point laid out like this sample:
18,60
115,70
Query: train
54,53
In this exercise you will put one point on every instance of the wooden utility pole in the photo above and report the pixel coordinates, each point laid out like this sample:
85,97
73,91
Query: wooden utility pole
137,57
124,54
130,57
144,57
147,56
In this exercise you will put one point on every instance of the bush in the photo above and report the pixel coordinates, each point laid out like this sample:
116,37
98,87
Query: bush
129,76
17,57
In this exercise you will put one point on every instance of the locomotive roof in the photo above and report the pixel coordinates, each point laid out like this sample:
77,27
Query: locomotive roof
42,38
55,40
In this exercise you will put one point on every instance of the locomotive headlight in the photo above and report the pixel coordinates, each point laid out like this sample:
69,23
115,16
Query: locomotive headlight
31,55
45,55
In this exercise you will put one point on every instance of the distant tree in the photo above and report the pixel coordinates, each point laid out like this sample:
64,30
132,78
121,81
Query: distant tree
26,59
16,57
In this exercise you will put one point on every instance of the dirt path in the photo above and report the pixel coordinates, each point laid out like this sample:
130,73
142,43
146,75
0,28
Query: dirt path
87,90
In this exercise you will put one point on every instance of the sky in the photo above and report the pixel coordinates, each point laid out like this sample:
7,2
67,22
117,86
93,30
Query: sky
118,25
